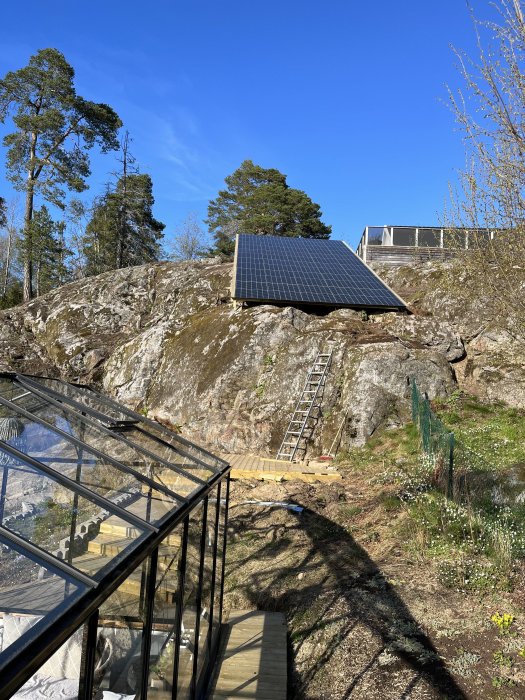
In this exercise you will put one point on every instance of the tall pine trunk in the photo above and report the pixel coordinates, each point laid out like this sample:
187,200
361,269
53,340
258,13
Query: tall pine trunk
28,218
28,241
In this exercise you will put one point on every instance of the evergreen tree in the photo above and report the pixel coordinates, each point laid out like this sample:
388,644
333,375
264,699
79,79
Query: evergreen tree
122,230
259,200
55,128
49,252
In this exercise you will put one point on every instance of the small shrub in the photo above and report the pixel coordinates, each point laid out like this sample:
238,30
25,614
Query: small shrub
501,681
463,664
503,622
502,659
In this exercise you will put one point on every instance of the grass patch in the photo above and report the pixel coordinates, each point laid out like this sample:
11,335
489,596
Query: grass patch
349,511
477,542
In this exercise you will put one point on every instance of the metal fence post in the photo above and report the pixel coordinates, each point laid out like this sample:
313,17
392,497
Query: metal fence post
415,403
424,423
450,481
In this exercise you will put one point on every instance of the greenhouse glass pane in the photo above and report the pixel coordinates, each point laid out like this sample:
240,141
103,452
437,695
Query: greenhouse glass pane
59,676
111,444
57,519
173,440
86,397
107,406
189,612
120,637
207,583
163,636
31,588
141,438
78,463
218,568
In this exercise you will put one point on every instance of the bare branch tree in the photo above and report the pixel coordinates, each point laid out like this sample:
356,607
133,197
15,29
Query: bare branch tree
189,240
490,111
12,225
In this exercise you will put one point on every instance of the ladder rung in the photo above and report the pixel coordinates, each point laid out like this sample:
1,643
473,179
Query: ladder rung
310,400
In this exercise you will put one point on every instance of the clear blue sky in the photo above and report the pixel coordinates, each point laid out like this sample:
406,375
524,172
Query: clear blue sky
347,98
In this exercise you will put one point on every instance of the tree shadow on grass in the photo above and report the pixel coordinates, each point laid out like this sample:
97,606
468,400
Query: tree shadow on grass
352,636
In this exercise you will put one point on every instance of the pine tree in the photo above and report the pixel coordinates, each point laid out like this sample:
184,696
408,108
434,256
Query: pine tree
259,200
122,230
49,252
54,130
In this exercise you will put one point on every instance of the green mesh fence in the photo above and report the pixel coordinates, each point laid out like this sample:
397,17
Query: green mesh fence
437,441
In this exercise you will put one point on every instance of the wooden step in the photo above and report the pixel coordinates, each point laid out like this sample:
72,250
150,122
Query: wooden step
116,526
90,564
111,545
108,545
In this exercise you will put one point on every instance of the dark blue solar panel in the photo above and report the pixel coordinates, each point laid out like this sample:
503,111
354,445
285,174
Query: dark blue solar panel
307,271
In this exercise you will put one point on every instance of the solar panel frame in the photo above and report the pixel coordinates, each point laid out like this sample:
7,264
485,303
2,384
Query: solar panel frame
307,271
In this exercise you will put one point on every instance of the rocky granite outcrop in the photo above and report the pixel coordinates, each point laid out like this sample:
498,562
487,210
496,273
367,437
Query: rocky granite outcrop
163,339
492,365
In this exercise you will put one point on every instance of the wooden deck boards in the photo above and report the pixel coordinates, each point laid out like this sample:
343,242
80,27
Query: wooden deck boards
253,664
264,468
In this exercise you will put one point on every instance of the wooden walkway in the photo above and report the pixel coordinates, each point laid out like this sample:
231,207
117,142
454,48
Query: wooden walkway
252,664
264,468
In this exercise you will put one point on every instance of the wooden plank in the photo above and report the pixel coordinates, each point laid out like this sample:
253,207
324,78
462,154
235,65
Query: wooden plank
284,476
264,468
253,663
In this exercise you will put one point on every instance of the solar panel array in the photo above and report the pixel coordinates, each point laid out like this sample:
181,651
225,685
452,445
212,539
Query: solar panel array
306,271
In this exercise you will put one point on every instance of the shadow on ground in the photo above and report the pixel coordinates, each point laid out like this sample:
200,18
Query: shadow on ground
351,635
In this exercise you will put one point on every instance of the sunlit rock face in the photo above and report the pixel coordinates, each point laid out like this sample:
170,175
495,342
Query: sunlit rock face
164,339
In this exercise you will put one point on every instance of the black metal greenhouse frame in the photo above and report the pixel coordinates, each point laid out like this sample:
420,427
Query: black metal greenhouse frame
23,658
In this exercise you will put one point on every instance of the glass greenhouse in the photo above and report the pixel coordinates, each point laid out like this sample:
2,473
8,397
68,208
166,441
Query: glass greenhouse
112,548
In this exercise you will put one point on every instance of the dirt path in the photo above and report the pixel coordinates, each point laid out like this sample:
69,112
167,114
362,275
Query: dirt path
366,619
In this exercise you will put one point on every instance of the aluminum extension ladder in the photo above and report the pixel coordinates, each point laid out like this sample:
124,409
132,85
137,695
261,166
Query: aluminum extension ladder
303,413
